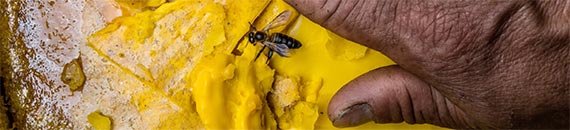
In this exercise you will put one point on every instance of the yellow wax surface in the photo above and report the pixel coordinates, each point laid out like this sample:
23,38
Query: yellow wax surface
177,57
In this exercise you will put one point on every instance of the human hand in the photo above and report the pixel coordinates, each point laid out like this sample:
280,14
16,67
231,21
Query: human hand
461,64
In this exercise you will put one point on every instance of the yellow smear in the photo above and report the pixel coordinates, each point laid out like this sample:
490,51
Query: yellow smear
99,121
210,84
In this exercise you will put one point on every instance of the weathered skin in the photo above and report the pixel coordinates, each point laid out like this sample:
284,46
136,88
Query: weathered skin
461,64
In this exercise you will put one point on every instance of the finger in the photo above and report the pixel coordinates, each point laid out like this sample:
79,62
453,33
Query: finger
338,15
398,28
392,95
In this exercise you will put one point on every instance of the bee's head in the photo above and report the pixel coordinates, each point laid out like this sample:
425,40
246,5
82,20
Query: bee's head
251,37
254,35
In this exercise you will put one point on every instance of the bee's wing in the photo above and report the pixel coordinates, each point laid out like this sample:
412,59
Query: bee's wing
281,49
281,19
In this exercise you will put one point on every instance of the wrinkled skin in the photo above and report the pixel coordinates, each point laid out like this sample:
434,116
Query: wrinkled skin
461,64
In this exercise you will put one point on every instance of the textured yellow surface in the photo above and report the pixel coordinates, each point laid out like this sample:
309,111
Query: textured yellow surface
180,54
179,71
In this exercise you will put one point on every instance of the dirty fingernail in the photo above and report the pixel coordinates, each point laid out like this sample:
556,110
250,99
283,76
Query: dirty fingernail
353,115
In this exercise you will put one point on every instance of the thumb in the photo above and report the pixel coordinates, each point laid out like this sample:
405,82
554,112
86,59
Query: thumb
392,95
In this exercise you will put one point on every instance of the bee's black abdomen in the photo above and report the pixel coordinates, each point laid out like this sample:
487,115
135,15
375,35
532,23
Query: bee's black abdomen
284,39
278,39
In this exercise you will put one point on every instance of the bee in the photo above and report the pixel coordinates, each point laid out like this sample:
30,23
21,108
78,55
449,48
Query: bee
277,42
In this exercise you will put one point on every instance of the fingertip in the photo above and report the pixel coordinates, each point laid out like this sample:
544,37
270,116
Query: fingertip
367,98
353,115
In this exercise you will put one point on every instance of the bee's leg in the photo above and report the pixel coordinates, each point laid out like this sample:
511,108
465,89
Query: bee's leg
269,54
259,53
251,26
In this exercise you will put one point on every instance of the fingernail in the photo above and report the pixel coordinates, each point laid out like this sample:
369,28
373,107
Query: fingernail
354,115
